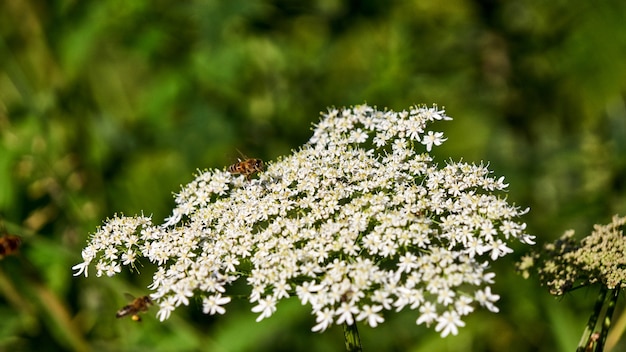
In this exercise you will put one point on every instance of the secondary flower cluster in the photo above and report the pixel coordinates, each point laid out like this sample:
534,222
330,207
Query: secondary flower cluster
567,264
354,223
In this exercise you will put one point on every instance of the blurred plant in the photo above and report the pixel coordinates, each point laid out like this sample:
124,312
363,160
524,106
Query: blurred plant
23,287
354,223
566,265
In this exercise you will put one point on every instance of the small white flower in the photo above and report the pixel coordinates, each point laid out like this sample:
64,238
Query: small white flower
128,257
407,263
306,291
498,249
445,296
346,312
113,269
165,309
429,314
434,114
371,314
486,299
81,268
213,304
463,305
449,323
158,278
323,319
182,292
431,139
266,306
357,136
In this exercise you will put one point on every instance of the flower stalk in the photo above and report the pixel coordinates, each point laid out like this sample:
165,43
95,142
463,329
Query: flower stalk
351,337
608,318
588,339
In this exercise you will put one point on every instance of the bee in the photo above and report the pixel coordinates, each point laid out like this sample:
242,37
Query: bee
9,245
246,167
136,306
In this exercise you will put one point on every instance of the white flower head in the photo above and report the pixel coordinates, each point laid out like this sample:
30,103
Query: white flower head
357,223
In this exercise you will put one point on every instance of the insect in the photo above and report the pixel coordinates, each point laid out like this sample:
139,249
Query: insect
246,167
347,296
593,341
136,306
9,245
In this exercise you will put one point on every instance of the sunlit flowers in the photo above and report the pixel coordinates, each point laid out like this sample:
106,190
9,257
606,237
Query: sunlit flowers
357,223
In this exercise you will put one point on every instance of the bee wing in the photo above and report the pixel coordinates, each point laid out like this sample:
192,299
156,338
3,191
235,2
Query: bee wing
129,297
243,156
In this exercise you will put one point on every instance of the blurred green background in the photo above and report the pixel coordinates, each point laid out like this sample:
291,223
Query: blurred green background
109,106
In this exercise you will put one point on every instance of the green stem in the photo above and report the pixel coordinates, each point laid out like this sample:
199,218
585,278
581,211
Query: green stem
606,323
593,319
351,336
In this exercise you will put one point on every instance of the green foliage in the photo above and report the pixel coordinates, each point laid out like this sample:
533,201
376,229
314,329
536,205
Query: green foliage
108,106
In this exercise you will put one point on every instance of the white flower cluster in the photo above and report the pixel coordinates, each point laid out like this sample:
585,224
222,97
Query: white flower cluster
354,223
